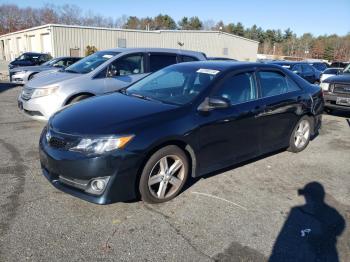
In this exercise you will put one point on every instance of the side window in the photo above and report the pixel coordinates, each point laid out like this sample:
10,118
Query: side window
159,61
186,58
307,69
292,86
272,83
127,65
238,88
297,68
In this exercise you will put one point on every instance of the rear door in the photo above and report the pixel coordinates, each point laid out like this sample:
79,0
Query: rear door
157,60
284,100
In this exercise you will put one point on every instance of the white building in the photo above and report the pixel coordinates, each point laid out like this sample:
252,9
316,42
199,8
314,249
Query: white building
65,40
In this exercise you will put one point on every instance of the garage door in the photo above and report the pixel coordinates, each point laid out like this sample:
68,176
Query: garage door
20,45
46,43
32,46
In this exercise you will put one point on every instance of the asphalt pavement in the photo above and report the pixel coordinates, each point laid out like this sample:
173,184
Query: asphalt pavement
248,212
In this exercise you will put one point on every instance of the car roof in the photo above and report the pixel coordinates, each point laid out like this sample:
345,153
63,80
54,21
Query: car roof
226,65
167,50
287,62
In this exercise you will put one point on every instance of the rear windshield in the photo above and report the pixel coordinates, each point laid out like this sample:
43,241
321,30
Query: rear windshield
90,62
28,56
332,71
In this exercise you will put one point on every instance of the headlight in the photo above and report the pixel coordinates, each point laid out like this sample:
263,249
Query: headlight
38,92
101,145
324,86
20,72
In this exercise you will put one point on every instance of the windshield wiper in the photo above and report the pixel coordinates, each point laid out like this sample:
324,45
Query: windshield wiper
71,71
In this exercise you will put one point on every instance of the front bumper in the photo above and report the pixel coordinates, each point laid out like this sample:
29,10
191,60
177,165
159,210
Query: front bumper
331,101
121,166
40,108
17,78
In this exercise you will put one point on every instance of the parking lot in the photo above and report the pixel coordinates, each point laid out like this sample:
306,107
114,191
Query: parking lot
234,215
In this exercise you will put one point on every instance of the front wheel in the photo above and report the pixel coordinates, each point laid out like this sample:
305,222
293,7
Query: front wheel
300,137
164,175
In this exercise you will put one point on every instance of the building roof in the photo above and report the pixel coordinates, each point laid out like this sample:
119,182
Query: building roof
126,30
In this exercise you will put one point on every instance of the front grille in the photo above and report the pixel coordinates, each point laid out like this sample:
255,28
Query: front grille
341,88
27,93
57,142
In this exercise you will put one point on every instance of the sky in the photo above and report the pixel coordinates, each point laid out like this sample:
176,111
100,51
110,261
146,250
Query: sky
318,17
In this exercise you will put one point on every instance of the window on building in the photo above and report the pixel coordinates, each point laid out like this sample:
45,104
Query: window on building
121,42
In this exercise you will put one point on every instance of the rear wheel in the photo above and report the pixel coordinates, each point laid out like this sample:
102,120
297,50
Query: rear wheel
78,98
164,175
300,137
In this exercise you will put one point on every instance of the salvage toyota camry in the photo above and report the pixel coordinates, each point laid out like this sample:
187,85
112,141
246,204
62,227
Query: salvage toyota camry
185,120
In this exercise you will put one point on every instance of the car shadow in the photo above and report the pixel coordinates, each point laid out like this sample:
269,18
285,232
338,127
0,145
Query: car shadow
310,231
193,180
6,86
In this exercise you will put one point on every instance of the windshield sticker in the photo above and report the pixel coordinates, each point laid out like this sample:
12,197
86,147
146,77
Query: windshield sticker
208,71
107,56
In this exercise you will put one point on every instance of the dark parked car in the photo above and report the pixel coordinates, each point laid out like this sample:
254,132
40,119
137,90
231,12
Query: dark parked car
337,91
28,59
320,66
339,64
185,120
304,70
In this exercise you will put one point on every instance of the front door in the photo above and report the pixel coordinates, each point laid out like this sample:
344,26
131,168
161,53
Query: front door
124,71
230,135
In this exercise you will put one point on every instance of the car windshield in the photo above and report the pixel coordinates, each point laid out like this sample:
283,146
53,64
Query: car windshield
51,62
90,62
177,85
347,70
28,56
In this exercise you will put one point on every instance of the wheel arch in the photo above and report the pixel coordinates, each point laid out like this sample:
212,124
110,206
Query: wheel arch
188,150
70,98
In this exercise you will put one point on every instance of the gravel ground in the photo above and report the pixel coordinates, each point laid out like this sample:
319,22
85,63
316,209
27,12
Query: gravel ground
245,213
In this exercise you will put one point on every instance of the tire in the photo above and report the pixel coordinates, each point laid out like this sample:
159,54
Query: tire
78,98
164,175
300,136
328,110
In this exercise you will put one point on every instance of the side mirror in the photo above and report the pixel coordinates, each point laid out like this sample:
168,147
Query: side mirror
56,65
296,72
211,103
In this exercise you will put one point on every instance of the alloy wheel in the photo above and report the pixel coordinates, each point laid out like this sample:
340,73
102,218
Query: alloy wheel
166,177
302,134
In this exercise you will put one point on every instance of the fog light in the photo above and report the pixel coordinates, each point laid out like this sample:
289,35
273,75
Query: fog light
98,185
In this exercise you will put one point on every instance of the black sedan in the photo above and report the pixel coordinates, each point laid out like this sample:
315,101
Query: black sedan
185,120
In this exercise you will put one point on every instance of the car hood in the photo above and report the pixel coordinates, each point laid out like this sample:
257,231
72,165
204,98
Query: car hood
345,78
30,68
46,80
109,114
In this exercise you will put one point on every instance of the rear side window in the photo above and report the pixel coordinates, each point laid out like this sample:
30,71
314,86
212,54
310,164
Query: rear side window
272,83
307,69
159,61
238,88
186,58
